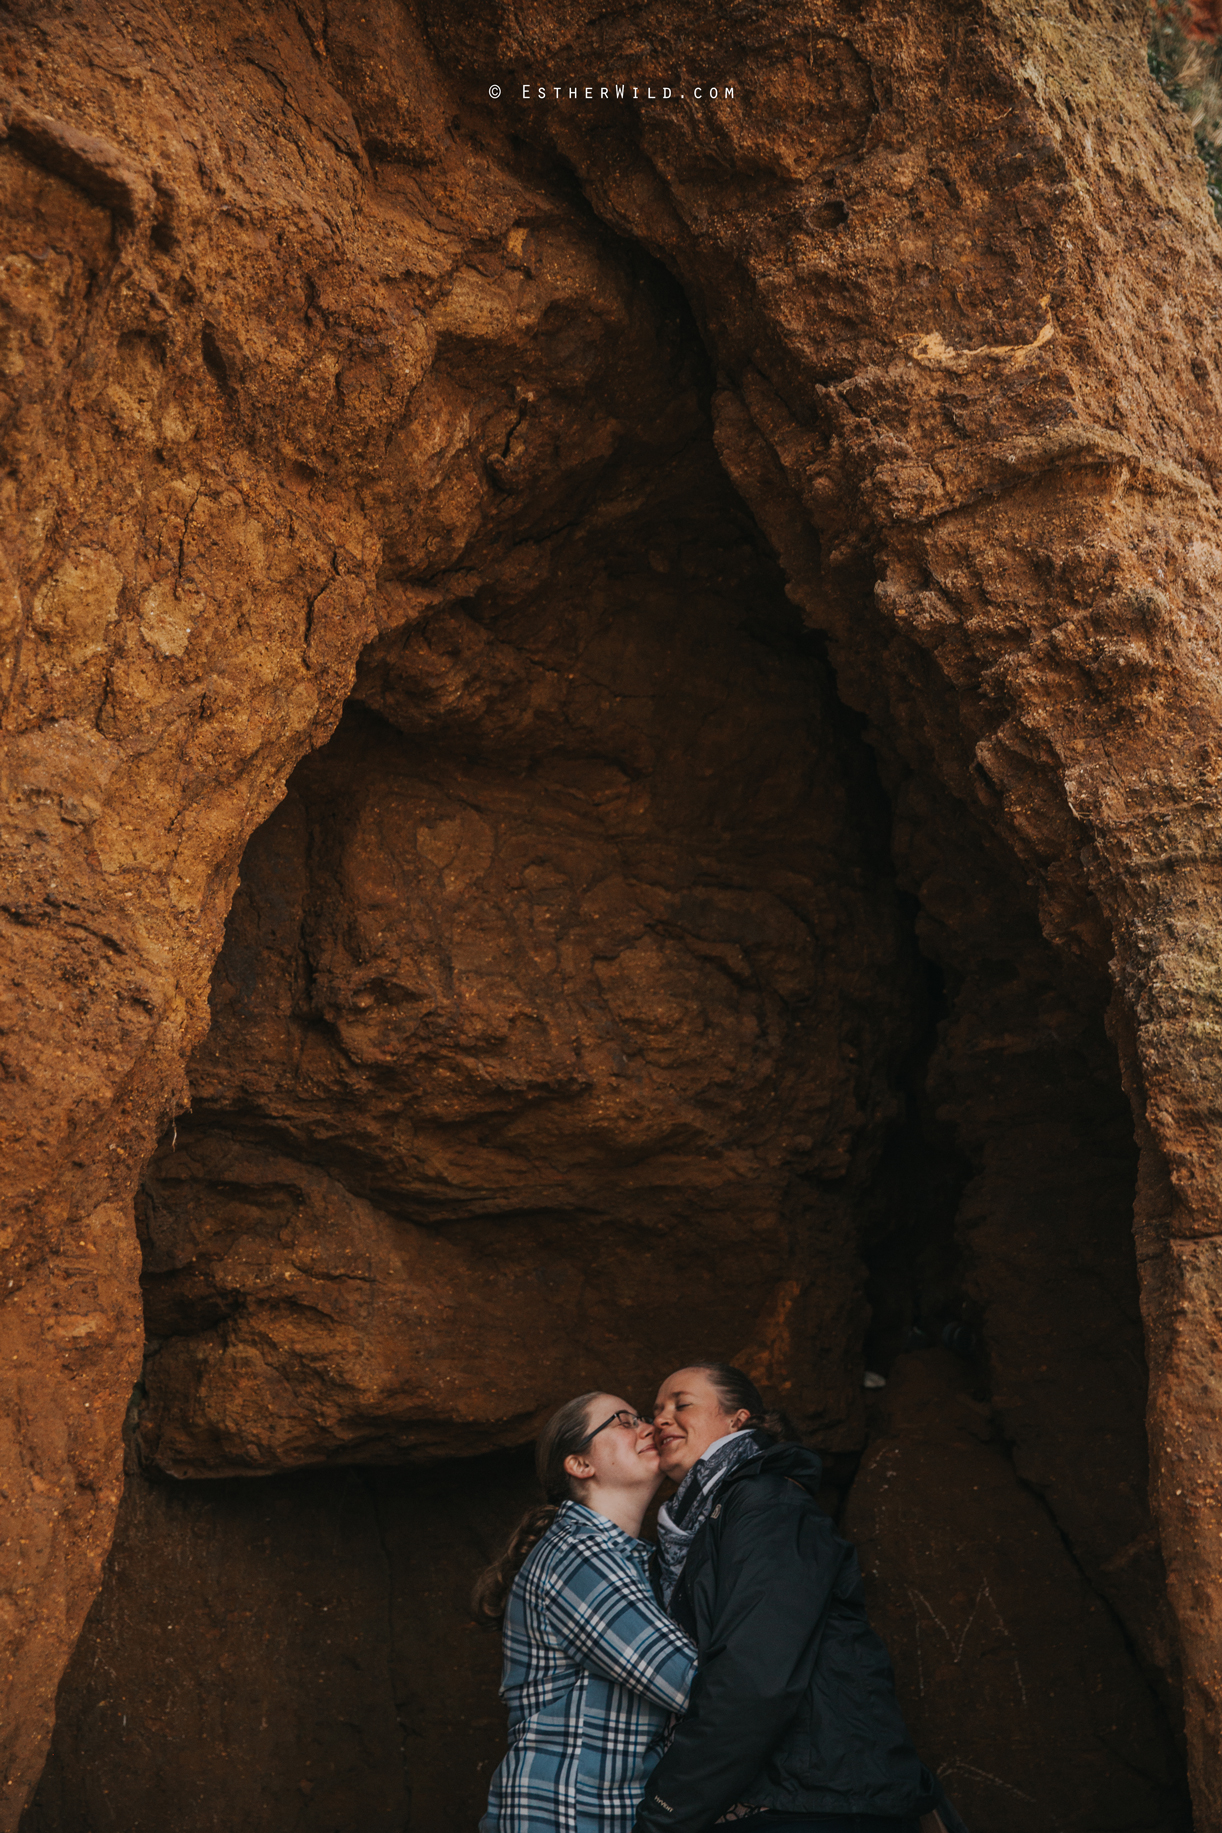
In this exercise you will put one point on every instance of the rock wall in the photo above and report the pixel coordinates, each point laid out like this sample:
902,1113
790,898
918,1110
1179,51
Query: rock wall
1026,1080
552,1026
290,1653
1011,1668
573,951
1005,520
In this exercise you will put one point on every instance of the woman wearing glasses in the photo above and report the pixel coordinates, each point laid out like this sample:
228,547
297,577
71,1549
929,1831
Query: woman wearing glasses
593,1668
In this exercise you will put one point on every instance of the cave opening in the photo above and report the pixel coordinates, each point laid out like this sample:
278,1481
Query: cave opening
604,991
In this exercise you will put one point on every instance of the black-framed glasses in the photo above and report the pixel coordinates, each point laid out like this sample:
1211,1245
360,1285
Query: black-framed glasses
622,1418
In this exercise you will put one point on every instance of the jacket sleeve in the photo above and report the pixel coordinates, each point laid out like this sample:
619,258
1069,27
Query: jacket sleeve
608,1621
775,1572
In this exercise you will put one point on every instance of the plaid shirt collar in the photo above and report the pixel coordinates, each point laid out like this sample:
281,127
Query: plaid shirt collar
579,1519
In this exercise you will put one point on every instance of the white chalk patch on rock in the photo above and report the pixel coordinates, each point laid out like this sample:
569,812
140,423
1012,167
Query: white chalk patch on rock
167,618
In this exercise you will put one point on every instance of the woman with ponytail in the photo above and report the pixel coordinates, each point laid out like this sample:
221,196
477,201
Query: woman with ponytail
593,1668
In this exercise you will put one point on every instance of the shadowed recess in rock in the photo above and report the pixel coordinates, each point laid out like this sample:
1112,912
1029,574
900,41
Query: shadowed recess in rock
290,1653
551,1035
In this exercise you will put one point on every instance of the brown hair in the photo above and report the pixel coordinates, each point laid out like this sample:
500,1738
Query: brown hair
738,1393
565,1433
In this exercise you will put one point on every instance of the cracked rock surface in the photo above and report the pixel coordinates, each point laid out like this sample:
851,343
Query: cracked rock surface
355,1584
980,1603
587,699
568,993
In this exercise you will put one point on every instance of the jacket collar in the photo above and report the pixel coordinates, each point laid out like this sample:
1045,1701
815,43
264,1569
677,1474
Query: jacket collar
793,1461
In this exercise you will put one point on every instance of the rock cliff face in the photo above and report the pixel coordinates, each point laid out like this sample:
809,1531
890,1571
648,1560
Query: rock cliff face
979,1595
288,1653
530,631
550,1027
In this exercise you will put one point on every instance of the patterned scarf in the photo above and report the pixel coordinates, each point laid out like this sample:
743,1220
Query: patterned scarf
680,1519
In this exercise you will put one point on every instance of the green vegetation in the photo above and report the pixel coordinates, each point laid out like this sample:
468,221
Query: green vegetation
1190,70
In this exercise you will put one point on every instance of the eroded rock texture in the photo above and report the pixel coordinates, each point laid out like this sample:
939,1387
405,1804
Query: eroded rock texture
545,1027
568,975
971,1584
1024,1076
1012,545
291,1653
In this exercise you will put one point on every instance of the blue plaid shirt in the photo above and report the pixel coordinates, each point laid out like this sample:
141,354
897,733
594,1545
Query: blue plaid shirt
593,1671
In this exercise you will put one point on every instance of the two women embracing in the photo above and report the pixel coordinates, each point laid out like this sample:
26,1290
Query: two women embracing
729,1674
